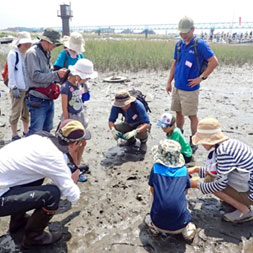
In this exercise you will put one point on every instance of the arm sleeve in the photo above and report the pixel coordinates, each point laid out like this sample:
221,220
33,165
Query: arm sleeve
11,59
205,49
114,114
33,68
151,177
64,89
144,118
59,63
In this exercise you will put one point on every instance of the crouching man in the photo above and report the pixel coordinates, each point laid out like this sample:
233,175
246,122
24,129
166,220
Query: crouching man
136,121
23,166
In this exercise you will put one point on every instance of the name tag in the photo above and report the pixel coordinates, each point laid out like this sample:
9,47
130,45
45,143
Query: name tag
188,64
135,117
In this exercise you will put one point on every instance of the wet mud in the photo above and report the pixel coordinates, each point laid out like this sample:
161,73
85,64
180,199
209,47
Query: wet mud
114,200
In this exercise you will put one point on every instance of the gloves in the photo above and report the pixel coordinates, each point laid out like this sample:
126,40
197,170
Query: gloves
130,134
16,93
116,134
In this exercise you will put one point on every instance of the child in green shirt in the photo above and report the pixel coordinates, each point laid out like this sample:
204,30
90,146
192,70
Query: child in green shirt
167,123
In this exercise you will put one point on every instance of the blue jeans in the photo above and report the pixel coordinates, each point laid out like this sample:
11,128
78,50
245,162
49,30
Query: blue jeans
41,114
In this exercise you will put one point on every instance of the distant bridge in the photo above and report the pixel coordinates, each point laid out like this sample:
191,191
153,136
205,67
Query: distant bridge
166,27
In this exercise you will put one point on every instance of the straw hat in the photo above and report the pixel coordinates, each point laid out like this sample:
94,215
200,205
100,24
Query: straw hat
72,130
168,153
75,42
208,132
52,36
123,98
83,68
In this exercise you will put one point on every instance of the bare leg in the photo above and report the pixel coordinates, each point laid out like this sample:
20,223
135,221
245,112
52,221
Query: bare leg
14,129
26,126
180,120
194,123
236,204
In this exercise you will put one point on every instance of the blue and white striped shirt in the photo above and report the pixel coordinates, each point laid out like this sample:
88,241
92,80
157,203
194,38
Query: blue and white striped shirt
229,154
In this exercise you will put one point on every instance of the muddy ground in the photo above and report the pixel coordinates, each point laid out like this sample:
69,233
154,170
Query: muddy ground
114,200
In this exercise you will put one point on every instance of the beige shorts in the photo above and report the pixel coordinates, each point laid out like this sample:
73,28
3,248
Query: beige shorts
242,197
18,109
185,101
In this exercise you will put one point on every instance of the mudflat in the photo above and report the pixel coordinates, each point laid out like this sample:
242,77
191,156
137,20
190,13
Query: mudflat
114,200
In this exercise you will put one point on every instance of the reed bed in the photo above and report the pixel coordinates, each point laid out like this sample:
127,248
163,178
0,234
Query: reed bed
135,55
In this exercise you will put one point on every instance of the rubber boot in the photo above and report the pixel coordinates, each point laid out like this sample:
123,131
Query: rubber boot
143,147
34,231
18,221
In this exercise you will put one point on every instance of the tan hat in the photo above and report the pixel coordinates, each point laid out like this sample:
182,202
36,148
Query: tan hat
185,25
65,39
75,42
209,132
72,130
123,98
168,153
23,37
52,36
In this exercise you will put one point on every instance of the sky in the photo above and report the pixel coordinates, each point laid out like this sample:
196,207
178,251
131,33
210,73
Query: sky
34,13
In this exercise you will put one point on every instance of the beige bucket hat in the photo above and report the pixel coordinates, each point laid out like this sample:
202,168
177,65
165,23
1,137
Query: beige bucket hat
22,38
168,153
209,132
123,98
75,42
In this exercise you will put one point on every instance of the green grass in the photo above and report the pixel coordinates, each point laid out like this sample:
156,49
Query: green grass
134,54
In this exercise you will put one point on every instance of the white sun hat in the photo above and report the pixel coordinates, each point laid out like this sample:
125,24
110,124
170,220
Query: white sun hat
75,42
84,68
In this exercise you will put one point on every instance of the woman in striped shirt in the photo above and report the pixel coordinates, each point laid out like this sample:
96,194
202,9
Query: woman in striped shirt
233,182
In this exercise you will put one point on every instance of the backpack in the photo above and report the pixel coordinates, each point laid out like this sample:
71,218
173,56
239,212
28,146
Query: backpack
141,97
5,70
201,68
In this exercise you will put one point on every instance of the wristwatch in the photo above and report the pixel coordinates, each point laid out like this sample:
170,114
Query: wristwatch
203,77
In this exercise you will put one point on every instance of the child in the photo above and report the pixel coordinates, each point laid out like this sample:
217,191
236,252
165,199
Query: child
71,93
167,123
168,182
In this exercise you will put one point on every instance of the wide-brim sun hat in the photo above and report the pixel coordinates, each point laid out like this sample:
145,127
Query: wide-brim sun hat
75,42
72,130
209,132
123,98
65,40
185,25
52,36
83,68
168,153
22,38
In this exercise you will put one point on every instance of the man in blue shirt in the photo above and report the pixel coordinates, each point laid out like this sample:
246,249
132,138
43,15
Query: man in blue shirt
136,121
186,72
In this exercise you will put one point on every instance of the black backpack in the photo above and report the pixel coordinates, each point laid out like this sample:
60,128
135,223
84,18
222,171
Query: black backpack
141,97
201,68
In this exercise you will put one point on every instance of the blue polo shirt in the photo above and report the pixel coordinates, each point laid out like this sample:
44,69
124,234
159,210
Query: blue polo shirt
169,209
187,66
134,116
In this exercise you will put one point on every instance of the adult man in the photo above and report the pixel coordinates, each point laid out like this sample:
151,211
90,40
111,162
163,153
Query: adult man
23,166
40,75
136,122
186,72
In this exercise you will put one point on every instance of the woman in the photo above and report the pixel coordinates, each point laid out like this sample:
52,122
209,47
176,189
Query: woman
233,180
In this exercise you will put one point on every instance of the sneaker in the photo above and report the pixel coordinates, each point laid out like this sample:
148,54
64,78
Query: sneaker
238,217
82,178
84,168
143,147
148,222
189,232
14,138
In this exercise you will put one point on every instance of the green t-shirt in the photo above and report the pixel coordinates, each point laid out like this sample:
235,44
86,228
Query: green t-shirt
178,136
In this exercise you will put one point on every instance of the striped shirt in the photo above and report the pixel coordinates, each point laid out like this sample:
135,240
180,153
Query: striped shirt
229,154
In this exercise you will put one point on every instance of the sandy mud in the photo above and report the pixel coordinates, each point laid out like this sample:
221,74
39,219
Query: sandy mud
114,200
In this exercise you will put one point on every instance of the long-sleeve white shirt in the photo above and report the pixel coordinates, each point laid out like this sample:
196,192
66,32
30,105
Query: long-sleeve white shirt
16,77
33,158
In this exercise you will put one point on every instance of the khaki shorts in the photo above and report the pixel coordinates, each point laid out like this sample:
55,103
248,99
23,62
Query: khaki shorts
185,101
242,197
19,108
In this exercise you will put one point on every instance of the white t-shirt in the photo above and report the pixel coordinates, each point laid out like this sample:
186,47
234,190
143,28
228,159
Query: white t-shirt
33,158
